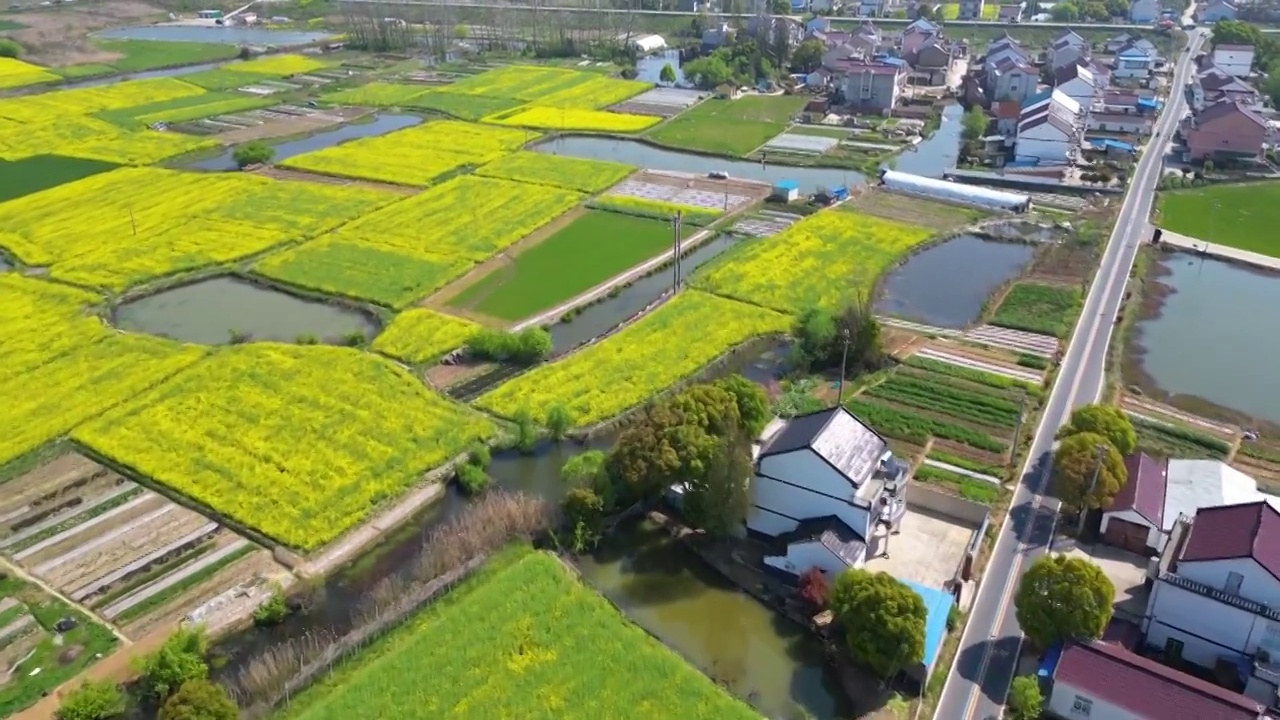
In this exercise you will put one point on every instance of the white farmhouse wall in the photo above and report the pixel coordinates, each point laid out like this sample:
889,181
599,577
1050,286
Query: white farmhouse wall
1044,142
805,468
1063,700
768,523
802,504
1258,585
1080,91
802,556
1207,628
1155,537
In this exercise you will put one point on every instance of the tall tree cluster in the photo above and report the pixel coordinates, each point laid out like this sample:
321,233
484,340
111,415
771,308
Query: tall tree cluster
1088,466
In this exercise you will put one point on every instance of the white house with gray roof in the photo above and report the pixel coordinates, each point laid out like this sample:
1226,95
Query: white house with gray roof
824,482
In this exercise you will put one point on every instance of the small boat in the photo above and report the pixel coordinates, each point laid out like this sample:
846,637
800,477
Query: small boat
718,175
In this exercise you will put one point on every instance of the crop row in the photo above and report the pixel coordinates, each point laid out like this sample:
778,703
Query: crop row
116,229
985,468
1181,438
968,488
971,375
532,83
1039,308
667,345
794,269
657,209
299,443
416,155
535,168
420,335
917,429
529,641
1260,451
572,119
947,399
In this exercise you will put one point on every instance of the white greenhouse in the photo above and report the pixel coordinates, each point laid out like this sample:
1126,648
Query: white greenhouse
954,192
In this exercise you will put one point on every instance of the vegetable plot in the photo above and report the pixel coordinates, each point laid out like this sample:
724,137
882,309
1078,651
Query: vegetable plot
298,442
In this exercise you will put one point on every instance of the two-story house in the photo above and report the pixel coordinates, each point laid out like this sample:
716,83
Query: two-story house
827,466
1224,130
1011,78
1144,12
869,85
1114,43
1068,49
1050,130
930,60
1218,10
1077,83
1135,61
1214,85
1236,60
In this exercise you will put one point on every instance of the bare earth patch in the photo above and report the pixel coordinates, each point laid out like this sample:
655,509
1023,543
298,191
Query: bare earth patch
59,35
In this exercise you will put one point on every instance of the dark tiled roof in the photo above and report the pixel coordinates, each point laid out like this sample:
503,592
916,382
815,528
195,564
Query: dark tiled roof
838,437
833,534
1042,118
1236,531
1224,108
1144,492
1146,688
799,432
1067,73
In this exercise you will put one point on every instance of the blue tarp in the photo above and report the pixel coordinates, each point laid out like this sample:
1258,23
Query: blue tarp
939,604
1049,664
787,185
1109,144
1148,103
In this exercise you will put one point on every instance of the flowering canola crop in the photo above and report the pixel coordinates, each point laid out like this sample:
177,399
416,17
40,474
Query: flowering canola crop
69,366
825,259
279,65
596,93
15,73
553,118
298,442
522,82
537,168
626,369
420,335
117,229
416,155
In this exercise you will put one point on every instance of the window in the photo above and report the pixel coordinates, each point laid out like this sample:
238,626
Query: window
1233,583
1173,650
1082,707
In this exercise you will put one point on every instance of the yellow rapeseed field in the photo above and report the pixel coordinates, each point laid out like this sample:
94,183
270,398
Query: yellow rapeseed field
554,118
68,365
622,371
522,82
598,92
15,73
279,65
826,259
298,442
414,156
579,174
116,229
420,335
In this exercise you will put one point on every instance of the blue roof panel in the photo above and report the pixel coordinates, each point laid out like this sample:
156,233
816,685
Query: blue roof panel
939,604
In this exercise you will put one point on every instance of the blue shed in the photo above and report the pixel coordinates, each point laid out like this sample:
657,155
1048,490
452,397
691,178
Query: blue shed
939,604
786,190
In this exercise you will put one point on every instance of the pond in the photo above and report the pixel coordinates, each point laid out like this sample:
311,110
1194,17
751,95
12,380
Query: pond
739,642
947,284
215,34
210,311
1209,339
604,315
649,68
939,152
650,157
381,124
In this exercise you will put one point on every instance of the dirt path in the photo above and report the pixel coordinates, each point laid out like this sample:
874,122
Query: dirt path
13,569
279,173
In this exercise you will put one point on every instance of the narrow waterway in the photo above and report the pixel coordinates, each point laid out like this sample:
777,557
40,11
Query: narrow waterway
1210,337
939,152
221,310
145,74
947,284
381,124
214,34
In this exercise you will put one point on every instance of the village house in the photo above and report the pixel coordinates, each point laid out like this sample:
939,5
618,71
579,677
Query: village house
922,25
1214,85
1144,11
1224,130
767,27
1105,680
1011,13
1135,61
817,24
1236,60
1049,130
717,36
1139,125
1067,49
1007,113
869,85
971,9
1217,10
1077,83
930,60
1113,45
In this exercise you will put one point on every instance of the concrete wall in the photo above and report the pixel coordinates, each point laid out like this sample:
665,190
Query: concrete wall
923,497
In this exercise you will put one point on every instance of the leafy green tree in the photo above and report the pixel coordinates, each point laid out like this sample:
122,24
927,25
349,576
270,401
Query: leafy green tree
1075,463
808,56
1065,12
274,610
92,701
974,124
717,501
1108,421
1025,701
478,454
559,420
10,48
882,619
526,431
708,72
1063,598
780,7
179,660
473,479
199,700
753,403
582,469
667,74
253,153
584,512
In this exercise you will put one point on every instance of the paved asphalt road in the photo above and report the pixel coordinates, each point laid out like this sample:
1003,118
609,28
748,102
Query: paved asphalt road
987,661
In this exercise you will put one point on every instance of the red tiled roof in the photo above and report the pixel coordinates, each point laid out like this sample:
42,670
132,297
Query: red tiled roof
1236,531
1146,688
1144,492
1008,109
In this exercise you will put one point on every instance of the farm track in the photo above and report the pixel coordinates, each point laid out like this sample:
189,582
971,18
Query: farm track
171,579
244,570
99,583
65,515
7,567
962,471
166,525
1015,340
133,508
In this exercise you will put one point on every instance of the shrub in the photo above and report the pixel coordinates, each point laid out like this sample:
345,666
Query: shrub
526,431
179,660
473,479
525,347
1025,700
274,610
199,700
478,454
814,589
559,420
10,48
253,153
92,701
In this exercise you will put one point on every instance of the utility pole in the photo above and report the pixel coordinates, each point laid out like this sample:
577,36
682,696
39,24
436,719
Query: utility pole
1017,427
1093,484
844,358
676,222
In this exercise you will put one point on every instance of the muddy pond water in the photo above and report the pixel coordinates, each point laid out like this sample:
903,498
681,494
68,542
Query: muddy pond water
210,311
1209,338
381,124
947,284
